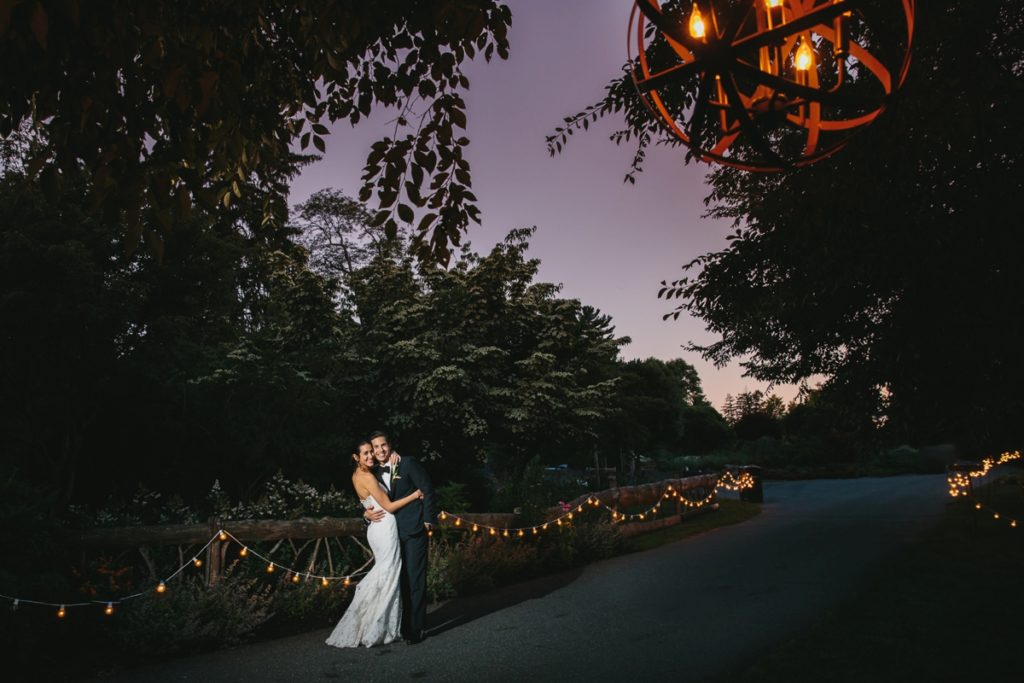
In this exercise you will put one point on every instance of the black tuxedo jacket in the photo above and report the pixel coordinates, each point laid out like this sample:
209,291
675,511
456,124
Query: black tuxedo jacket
412,476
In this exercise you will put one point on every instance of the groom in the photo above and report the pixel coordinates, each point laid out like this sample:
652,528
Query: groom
414,520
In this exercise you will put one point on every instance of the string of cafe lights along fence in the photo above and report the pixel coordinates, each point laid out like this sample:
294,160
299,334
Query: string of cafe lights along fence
108,609
161,587
744,481
960,482
734,483
995,515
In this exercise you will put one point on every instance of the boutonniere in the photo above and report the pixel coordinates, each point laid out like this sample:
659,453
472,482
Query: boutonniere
395,476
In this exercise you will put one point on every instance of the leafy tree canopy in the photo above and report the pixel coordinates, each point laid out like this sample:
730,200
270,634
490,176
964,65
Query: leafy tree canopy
174,103
893,267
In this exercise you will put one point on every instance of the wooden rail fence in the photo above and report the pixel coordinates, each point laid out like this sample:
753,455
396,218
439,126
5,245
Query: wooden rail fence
331,527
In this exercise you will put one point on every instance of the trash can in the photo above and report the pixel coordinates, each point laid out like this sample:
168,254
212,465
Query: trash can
754,494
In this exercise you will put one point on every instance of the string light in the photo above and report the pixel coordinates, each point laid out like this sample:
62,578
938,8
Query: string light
726,480
161,587
960,482
996,515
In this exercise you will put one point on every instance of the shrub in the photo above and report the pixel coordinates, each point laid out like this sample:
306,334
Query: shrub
594,541
193,616
308,601
452,497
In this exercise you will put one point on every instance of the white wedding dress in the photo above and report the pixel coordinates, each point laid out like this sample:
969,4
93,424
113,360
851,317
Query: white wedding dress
374,616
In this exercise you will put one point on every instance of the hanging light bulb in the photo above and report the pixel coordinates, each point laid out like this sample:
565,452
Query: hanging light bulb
109,609
223,535
774,12
324,582
243,552
270,568
348,582
161,587
295,578
197,562
804,60
697,29
61,612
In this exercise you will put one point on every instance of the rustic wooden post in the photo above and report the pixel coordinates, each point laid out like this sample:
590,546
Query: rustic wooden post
214,554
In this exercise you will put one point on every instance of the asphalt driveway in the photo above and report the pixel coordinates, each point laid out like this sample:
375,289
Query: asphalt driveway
686,611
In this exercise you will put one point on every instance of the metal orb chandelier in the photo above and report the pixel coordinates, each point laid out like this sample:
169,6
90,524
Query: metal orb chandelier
767,85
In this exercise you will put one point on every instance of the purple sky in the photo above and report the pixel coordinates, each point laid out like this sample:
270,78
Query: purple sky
608,243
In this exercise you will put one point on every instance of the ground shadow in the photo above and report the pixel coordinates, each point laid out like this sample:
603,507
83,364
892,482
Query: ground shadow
460,611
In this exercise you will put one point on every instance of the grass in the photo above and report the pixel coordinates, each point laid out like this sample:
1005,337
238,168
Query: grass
729,512
948,609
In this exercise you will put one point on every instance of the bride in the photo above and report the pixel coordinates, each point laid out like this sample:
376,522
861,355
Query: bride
374,616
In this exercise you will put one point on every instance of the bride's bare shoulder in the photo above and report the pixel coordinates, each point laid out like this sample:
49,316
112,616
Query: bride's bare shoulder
361,481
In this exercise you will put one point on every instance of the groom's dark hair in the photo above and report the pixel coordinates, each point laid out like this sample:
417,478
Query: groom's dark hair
377,433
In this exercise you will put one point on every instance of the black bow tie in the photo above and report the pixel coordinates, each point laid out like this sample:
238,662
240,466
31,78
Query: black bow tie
385,468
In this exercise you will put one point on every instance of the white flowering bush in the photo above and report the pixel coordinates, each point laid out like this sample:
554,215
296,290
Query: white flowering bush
286,499
281,499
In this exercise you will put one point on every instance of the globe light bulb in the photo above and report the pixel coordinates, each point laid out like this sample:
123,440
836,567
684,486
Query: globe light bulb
109,609
61,613
804,56
697,29
161,587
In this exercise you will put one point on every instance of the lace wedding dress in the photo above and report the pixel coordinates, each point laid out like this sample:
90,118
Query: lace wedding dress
375,614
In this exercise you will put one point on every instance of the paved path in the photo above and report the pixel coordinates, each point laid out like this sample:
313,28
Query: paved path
686,611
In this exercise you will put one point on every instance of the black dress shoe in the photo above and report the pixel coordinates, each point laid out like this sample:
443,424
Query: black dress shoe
414,639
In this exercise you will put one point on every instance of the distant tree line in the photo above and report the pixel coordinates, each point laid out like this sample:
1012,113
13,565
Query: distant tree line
247,349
